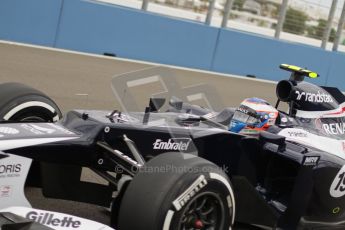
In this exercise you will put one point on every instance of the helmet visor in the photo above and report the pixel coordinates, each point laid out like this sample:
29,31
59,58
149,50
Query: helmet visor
247,118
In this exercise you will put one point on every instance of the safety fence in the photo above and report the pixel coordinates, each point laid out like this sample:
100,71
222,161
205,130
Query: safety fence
314,22
102,28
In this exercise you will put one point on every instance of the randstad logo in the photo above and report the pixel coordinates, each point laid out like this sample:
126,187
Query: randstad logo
314,97
50,220
180,144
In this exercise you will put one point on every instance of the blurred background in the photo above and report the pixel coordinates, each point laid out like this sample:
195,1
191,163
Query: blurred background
312,22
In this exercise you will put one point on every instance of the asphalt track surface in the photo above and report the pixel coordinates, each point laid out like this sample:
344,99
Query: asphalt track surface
91,212
63,75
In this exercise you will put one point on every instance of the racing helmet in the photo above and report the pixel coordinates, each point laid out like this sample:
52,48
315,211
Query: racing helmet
253,115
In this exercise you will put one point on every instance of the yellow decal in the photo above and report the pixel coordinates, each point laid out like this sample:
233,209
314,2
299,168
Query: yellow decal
313,75
336,210
308,73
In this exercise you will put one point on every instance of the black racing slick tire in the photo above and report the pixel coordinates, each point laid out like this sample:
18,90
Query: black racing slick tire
176,191
19,102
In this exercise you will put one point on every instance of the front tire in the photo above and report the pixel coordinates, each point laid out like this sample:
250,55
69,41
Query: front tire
176,191
19,102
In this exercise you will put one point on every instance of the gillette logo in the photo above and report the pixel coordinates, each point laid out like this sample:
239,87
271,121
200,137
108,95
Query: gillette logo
49,219
314,97
180,144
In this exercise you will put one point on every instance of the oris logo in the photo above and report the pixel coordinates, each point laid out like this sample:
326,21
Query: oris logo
314,97
180,144
50,219
9,169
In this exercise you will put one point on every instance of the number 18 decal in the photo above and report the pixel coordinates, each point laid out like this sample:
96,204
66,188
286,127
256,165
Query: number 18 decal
337,188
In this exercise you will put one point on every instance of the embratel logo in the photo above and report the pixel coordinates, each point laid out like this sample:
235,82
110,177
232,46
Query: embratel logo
49,219
314,97
180,144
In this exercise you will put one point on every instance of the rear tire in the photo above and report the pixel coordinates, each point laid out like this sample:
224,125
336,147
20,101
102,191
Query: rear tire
176,191
19,102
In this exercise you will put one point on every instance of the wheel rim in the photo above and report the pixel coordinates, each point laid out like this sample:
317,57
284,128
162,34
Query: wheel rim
33,114
205,211
33,119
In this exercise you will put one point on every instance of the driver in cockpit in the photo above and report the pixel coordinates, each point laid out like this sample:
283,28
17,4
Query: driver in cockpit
252,116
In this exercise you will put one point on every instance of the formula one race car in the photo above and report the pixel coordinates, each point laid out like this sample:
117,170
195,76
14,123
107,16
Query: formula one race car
179,169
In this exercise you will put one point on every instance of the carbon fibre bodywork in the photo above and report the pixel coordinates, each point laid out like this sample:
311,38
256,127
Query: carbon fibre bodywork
290,177
277,184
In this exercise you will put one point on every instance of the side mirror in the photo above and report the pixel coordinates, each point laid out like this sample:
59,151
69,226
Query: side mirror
176,103
156,103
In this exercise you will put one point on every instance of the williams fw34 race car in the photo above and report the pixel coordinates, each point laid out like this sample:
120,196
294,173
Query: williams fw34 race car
179,169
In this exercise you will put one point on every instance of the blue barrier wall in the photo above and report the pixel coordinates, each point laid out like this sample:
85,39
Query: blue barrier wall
99,28
336,74
243,53
29,21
